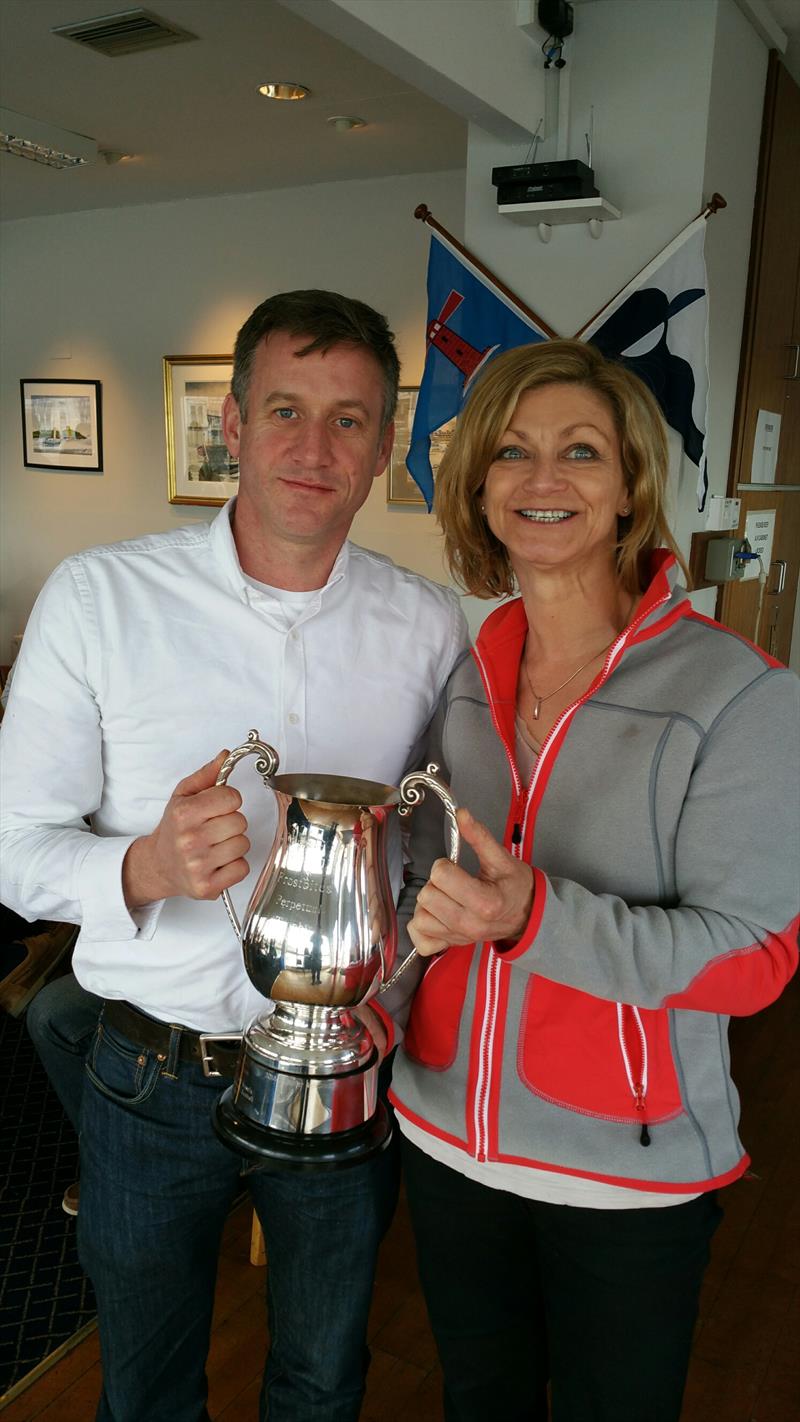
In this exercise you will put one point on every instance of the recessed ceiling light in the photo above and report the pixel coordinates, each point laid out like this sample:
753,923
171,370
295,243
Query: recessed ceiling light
283,90
344,122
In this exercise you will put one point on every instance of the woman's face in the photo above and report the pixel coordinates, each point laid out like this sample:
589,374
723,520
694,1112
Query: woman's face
555,487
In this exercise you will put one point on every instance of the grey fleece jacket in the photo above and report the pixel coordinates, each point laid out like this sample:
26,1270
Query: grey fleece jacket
663,823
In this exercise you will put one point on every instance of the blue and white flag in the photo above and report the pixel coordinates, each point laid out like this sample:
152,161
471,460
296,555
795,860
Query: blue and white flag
658,326
469,321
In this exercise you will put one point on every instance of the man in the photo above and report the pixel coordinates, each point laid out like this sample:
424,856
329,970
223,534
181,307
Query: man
139,661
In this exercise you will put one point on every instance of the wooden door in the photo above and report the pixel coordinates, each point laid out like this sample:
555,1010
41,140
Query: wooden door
767,379
768,375
767,618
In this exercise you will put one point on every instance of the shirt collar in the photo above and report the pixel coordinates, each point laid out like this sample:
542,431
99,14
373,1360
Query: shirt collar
223,549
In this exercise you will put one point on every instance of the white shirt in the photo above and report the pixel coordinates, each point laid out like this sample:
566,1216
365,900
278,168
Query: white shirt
141,661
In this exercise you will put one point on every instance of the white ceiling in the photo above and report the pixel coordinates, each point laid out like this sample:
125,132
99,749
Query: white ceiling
191,113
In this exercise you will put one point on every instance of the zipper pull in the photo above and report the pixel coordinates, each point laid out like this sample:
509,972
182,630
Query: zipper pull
516,835
644,1134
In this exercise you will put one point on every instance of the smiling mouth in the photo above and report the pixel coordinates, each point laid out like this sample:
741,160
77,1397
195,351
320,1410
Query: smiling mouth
311,484
547,515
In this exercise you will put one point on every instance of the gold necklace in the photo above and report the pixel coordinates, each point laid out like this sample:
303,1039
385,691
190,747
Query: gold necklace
538,700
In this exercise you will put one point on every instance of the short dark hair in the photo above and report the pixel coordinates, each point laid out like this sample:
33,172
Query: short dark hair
328,319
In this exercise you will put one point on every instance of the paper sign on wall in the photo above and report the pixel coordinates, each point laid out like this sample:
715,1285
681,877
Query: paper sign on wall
765,447
759,530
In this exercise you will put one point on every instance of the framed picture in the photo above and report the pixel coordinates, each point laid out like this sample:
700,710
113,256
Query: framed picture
62,425
199,468
401,491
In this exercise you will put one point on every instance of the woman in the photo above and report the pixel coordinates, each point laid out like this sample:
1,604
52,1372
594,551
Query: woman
630,823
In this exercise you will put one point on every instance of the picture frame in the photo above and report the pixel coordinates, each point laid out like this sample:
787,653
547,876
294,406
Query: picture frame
199,468
62,426
401,490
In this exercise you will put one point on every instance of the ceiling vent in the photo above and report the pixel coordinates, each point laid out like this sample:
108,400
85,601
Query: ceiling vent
124,33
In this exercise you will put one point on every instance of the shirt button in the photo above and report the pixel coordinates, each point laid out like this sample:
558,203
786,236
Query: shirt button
293,718
294,635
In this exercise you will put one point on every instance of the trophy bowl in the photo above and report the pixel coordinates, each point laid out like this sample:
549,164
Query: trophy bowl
319,938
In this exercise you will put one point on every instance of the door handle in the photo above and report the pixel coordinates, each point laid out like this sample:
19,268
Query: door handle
780,564
795,375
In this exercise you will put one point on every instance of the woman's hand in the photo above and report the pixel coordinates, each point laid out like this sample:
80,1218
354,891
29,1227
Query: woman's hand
455,907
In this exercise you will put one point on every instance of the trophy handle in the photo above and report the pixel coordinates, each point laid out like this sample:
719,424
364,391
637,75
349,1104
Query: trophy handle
412,793
266,766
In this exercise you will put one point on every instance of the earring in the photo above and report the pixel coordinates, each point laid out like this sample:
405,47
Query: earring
624,512
483,510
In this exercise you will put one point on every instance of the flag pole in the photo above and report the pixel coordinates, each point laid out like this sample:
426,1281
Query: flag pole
715,203
424,214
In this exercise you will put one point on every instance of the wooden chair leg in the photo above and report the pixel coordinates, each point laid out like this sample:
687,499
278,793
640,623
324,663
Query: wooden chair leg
258,1252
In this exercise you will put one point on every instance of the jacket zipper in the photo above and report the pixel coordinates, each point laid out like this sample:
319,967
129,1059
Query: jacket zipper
524,801
633,1046
485,1058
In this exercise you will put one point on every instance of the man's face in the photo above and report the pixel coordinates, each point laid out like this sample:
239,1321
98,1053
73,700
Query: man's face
311,444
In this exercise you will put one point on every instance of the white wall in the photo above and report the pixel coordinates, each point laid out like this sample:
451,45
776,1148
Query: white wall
470,55
645,70
675,93
122,288
676,90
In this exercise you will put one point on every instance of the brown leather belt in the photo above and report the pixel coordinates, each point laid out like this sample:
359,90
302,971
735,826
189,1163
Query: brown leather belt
155,1036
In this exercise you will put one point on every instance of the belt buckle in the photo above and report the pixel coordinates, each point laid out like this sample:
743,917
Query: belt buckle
207,1055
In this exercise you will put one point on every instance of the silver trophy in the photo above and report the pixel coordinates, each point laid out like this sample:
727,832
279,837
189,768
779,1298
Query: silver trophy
319,938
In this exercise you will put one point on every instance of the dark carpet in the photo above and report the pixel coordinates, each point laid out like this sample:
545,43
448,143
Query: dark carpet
44,1295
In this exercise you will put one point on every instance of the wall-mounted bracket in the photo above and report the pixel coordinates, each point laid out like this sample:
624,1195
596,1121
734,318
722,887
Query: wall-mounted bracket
593,211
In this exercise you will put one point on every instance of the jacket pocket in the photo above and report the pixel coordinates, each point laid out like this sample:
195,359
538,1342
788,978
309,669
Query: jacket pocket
603,1059
120,1070
432,1033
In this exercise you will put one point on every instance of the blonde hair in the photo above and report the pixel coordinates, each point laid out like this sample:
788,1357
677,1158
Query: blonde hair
478,561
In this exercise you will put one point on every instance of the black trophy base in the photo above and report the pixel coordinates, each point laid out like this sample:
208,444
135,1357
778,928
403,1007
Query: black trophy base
269,1149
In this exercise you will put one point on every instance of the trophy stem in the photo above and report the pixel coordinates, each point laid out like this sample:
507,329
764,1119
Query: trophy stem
273,1149
306,1091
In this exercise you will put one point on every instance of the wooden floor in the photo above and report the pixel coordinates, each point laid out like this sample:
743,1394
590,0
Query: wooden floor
746,1360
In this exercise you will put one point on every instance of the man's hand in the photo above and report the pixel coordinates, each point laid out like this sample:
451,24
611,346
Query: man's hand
456,908
196,850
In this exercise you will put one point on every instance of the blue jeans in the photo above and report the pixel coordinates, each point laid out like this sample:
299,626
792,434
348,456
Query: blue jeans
156,1188
61,1021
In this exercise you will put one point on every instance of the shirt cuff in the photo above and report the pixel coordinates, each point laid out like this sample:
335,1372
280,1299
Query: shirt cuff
106,916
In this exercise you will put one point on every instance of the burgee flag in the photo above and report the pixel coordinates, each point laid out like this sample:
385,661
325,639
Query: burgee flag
657,325
469,321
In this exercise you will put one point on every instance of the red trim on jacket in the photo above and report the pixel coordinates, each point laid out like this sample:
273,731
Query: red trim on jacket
682,610
738,990
423,1125
711,622
658,1187
501,1025
533,925
474,1069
